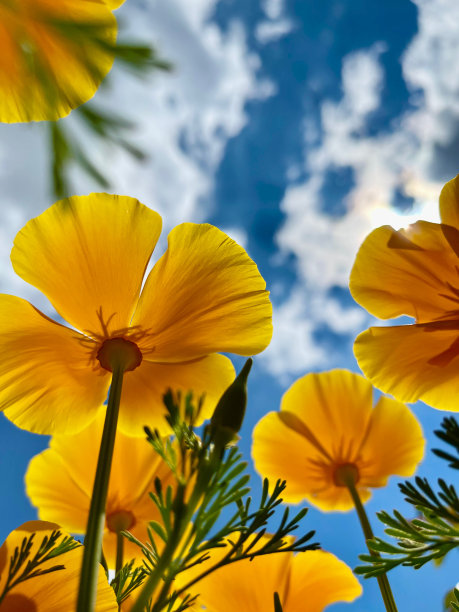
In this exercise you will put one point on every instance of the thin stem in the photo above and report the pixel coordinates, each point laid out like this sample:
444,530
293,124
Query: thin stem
383,581
96,520
119,551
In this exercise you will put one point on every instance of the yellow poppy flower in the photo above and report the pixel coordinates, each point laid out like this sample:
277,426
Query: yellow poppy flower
55,591
327,422
53,56
88,255
59,483
308,581
414,272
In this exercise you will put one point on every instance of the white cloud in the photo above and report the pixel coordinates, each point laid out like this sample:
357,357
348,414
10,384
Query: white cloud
273,9
271,31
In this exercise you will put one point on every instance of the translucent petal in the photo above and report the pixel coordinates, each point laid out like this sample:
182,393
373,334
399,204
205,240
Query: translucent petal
449,203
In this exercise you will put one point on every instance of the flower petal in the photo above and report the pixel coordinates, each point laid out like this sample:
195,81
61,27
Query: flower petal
204,295
408,272
88,255
143,390
46,382
53,56
449,203
55,591
391,420
114,4
413,362
319,579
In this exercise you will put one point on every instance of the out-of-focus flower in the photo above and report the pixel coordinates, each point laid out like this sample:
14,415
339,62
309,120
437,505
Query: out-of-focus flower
308,581
59,483
49,591
53,56
88,255
414,272
327,422
114,4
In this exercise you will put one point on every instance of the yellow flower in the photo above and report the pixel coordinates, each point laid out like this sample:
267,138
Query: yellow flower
59,483
307,581
327,422
55,591
88,255
53,56
414,272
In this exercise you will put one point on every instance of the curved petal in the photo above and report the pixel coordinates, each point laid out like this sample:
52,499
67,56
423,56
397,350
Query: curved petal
418,266
143,390
55,591
391,420
114,4
205,295
88,255
319,579
449,203
413,362
53,56
47,384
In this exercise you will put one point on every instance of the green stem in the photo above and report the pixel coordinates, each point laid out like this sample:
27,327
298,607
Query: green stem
119,552
383,581
96,521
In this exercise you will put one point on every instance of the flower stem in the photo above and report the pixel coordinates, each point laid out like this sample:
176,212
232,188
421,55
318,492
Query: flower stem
96,520
384,586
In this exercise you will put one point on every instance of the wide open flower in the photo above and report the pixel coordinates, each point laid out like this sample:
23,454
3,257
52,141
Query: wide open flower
55,591
326,422
414,272
53,56
88,255
308,581
59,483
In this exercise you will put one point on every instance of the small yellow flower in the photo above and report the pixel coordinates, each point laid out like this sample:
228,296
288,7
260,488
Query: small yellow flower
414,272
53,56
59,483
327,423
307,581
55,591
88,255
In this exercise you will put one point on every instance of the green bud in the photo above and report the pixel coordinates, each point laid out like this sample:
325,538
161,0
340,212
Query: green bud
229,413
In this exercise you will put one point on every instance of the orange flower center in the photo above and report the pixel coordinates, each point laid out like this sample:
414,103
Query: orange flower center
116,352
120,521
346,474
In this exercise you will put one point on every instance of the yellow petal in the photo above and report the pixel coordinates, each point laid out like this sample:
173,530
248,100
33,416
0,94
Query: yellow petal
46,382
53,56
114,4
391,420
319,579
449,203
54,591
88,255
143,390
408,272
413,362
205,295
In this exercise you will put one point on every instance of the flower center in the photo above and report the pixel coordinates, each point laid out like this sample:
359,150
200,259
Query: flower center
119,352
120,521
346,474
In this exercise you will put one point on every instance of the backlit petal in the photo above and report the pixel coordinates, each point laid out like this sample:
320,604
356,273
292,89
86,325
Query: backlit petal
114,4
413,362
408,272
88,255
53,56
143,389
449,203
54,591
319,579
47,384
391,420
204,295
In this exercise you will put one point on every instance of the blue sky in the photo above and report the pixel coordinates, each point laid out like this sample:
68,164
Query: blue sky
297,127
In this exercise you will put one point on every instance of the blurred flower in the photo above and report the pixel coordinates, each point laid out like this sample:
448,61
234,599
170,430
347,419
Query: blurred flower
114,4
307,581
327,422
88,255
59,483
53,56
414,272
49,591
